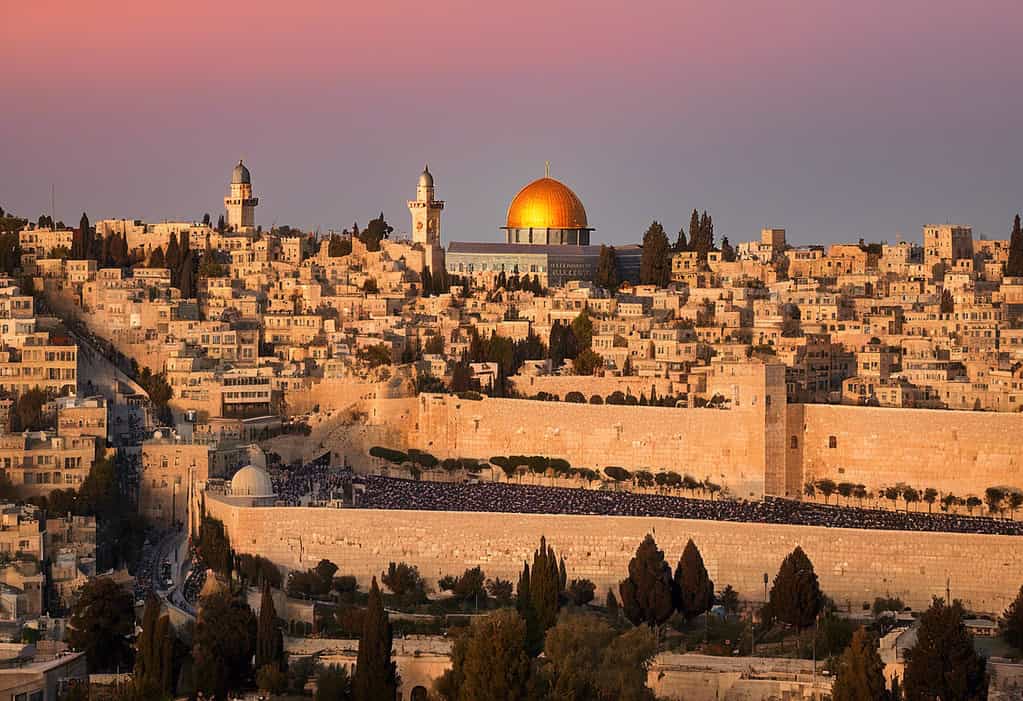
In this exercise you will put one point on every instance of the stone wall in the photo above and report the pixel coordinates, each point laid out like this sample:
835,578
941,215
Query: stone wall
725,446
963,452
854,566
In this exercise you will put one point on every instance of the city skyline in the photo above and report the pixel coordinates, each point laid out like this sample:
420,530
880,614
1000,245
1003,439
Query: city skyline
835,123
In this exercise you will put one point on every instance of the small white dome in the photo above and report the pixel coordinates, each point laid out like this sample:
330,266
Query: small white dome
252,481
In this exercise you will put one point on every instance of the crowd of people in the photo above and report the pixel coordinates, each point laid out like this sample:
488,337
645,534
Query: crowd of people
388,493
309,484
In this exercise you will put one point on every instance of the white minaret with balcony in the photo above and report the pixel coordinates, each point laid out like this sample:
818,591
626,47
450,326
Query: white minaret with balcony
425,211
240,204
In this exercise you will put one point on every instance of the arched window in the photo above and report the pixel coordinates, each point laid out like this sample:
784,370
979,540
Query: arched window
418,694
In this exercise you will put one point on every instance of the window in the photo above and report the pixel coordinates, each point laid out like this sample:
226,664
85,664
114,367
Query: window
832,442
794,442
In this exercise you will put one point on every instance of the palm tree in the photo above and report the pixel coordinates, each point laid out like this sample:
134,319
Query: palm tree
948,501
930,496
972,502
892,494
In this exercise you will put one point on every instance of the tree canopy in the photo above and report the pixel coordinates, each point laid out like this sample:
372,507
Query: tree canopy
376,675
860,673
648,592
943,663
796,596
655,263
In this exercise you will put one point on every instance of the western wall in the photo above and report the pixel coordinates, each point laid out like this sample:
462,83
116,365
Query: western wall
854,565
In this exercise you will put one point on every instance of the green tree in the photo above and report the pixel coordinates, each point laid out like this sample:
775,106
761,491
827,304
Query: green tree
607,269
729,599
943,664
702,241
333,684
587,362
582,327
405,583
1012,622
681,244
827,487
694,589
860,675
156,259
154,658
1014,264
586,659
545,585
269,639
376,231
376,675
796,596
223,644
655,263
647,593
101,625
492,663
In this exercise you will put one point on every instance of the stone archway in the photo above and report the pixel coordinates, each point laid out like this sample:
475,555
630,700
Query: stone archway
418,694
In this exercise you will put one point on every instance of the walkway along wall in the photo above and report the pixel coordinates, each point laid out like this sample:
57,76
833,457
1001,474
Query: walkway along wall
854,566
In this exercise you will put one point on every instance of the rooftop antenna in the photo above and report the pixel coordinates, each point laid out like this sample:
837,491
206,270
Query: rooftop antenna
546,169
53,209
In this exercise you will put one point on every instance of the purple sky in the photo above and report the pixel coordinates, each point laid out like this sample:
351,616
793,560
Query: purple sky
834,120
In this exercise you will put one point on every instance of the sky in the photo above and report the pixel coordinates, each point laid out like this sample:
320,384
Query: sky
833,119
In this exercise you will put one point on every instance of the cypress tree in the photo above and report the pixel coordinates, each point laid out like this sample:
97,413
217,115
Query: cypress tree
269,640
694,230
647,593
860,674
680,242
145,658
1014,265
1012,621
376,676
172,259
156,258
796,596
562,576
544,585
607,269
694,589
524,606
165,639
943,663
655,263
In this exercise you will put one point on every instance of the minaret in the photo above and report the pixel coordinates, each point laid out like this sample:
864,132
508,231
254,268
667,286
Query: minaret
240,204
425,211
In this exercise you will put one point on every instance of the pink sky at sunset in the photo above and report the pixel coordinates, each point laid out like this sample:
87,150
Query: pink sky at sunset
835,120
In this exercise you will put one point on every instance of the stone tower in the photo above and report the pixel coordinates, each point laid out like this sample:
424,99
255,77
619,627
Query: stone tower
240,204
425,211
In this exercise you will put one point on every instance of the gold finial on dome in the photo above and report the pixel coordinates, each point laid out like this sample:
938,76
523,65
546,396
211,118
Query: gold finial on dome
546,169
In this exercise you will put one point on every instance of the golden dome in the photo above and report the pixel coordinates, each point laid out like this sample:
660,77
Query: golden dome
546,204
